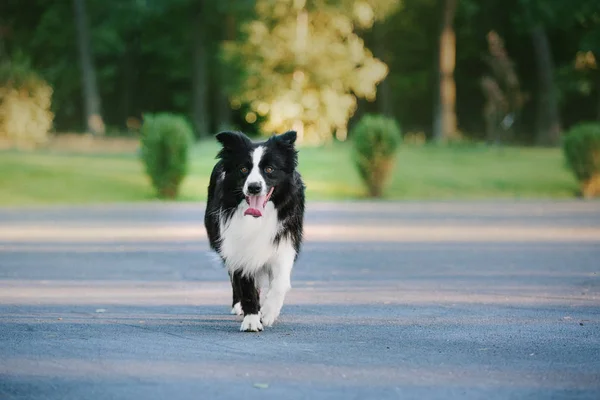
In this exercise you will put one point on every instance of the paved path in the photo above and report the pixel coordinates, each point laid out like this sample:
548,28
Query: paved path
397,300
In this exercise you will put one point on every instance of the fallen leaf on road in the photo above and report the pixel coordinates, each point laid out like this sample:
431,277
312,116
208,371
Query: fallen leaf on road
261,385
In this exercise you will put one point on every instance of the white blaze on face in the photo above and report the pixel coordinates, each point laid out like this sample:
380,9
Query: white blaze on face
255,175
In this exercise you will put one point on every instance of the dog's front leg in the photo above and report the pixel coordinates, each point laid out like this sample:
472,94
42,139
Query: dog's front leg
263,281
236,305
281,271
250,302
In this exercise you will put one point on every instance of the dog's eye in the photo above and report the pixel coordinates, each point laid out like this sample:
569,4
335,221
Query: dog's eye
244,170
268,170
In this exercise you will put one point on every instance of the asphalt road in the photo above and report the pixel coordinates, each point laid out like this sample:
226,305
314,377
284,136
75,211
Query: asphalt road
469,300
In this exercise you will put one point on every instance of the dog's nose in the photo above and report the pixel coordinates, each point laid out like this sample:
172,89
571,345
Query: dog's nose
254,188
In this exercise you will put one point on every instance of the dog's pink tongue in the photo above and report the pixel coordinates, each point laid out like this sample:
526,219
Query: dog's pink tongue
256,204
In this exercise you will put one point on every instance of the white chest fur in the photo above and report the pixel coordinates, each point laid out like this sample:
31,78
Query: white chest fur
247,242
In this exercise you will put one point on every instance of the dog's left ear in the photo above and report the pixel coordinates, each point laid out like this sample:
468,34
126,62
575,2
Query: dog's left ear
232,140
286,141
288,138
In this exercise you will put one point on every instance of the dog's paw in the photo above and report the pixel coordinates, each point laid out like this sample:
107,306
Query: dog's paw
269,313
237,309
251,323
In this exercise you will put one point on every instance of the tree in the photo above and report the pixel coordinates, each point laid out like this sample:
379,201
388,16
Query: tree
221,100
501,88
445,125
384,100
538,17
200,72
91,99
405,41
548,118
231,14
143,59
584,72
305,66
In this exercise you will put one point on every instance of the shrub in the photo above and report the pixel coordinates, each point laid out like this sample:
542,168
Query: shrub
165,143
25,99
581,147
376,139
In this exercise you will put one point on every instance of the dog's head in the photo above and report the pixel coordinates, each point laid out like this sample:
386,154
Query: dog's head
257,172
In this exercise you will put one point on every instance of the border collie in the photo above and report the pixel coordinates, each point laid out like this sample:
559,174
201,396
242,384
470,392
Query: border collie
254,220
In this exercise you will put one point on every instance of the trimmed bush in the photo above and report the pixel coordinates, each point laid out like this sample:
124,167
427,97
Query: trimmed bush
581,147
376,139
25,99
165,143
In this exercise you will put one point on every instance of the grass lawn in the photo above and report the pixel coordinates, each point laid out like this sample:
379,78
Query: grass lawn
428,172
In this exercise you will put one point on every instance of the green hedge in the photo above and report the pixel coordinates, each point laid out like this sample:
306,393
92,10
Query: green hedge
375,141
581,147
165,141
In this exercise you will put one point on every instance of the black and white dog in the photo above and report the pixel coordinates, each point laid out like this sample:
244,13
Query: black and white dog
254,220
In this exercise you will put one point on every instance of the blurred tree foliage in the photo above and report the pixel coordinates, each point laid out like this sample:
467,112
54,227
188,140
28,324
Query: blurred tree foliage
304,64
25,98
176,55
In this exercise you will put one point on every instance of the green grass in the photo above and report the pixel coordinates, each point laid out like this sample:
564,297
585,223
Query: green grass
428,172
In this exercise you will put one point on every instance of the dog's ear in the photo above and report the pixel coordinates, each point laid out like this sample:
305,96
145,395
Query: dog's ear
233,140
285,142
287,139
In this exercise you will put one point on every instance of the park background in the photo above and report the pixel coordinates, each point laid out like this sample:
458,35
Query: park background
448,148
469,99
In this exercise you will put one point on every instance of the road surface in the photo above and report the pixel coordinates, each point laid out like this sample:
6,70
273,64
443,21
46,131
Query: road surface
468,300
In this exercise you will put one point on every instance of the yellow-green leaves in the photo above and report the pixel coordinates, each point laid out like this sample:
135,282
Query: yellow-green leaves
305,64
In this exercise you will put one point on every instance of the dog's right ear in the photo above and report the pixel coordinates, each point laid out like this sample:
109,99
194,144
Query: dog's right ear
233,140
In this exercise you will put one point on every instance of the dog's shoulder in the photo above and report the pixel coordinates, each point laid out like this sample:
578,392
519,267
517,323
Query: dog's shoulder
217,174
212,212
292,212
299,182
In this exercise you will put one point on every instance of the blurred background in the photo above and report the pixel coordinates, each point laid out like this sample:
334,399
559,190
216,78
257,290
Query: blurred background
118,100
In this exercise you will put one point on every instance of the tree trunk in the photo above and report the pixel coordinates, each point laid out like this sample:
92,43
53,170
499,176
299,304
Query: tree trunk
445,125
2,46
547,118
384,97
491,126
223,112
129,78
598,100
200,74
91,99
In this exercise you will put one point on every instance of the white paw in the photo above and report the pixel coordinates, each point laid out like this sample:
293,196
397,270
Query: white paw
251,323
237,309
269,313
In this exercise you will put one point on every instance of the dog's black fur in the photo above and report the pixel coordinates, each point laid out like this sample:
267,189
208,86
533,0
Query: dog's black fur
225,196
